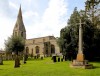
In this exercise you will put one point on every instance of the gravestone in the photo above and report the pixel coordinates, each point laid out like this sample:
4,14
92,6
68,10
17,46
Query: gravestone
58,59
17,62
24,59
41,56
35,57
1,60
61,59
54,59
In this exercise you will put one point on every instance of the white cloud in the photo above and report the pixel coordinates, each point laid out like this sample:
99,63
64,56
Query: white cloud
5,29
13,5
30,13
53,16
6,22
51,22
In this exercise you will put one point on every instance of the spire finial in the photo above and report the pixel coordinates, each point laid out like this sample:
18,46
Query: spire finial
20,12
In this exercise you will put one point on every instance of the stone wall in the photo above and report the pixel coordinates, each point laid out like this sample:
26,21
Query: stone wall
31,44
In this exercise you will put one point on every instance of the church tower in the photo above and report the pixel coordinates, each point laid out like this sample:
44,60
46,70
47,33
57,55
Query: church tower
19,29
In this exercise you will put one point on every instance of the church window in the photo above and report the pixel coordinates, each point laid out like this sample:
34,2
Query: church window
32,53
22,34
27,50
37,49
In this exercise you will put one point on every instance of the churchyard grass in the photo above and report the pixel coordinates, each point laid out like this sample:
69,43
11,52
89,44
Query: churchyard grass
46,67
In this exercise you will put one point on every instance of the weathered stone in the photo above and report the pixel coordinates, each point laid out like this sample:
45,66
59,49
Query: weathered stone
88,66
58,59
1,60
17,62
80,62
24,60
41,58
54,59
80,57
62,59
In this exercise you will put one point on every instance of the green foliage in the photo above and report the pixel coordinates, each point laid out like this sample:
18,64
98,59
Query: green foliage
69,35
93,11
8,45
14,44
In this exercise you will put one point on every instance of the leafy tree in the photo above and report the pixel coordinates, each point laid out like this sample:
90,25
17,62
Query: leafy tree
69,35
15,44
8,45
92,8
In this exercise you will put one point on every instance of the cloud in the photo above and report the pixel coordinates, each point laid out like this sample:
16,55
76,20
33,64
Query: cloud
13,5
5,29
53,19
54,15
29,13
6,22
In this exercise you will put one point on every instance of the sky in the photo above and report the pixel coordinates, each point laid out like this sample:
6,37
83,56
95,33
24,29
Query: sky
40,17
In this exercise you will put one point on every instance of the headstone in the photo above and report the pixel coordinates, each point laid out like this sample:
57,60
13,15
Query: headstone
17,62
41,56
61,59
58,59
24,60
35,57
1,60
54,59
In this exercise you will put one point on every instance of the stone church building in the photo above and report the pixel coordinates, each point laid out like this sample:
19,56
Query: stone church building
44,45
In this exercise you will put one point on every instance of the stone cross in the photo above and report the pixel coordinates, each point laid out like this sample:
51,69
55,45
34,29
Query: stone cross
80,56
80,49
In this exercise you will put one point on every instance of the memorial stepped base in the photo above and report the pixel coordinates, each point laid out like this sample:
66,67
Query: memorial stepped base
81,64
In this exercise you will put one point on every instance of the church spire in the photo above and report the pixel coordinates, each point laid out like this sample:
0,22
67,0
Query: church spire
19,28
20,13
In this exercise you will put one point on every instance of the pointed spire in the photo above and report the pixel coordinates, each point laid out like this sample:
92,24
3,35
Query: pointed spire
19,26
20,12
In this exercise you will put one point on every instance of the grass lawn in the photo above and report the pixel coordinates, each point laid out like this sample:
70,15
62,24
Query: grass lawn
46,68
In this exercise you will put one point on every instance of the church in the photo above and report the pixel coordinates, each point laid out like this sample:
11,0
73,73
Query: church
43,45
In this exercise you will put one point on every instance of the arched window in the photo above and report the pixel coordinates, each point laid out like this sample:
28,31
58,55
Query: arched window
27,50
22,34
37,49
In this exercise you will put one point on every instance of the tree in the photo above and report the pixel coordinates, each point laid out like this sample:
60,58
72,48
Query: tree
15,44
69,35
92,8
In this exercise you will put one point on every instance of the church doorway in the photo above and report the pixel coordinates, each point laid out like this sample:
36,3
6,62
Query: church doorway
52,49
